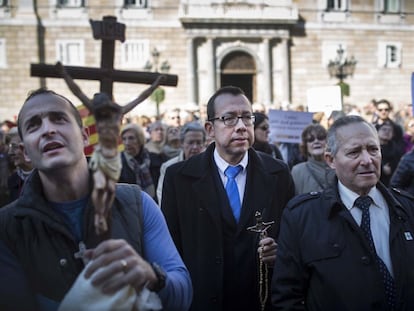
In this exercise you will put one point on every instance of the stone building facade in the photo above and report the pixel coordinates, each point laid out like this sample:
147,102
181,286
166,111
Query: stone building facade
276,50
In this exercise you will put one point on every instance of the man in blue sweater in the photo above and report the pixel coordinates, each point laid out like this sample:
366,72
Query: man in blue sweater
45,232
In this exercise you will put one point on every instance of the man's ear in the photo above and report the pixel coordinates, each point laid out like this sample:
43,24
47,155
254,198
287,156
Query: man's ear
209,127
329,159
85,136
26,157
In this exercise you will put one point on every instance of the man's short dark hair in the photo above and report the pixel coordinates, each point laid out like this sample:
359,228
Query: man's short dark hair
383,101
233,90
41,91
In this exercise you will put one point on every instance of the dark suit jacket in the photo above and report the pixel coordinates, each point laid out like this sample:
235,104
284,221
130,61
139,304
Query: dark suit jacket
324,261
220,254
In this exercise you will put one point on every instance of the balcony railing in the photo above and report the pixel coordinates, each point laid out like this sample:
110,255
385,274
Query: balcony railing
198,11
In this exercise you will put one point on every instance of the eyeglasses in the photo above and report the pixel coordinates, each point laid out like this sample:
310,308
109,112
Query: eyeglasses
263,128
384,109
247,120
311,139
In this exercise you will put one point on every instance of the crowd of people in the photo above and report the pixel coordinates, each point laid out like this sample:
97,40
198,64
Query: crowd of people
208,213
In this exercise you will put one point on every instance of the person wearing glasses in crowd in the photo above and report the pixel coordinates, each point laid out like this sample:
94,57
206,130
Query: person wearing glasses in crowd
261,136
193,141
314,174
383,111
211,199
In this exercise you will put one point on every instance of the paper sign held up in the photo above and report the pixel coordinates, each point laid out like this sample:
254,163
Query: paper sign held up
324,99
287,126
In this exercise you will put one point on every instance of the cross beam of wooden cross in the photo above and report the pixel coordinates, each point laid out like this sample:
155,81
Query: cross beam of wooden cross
108,31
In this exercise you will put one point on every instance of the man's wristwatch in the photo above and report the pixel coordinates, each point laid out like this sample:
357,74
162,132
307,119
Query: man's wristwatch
161,277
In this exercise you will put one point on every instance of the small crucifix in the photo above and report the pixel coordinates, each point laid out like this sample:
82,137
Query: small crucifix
261,227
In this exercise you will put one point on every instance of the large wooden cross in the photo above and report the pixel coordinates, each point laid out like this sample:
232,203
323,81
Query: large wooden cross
108,31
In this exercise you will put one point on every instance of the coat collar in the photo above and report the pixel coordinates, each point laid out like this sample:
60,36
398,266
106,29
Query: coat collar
331,196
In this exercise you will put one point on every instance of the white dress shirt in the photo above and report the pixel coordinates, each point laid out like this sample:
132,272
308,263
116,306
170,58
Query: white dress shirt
240,178
379,218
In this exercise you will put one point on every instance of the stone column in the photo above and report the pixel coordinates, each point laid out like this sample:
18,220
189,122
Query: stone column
211,67
191,73
267,71
285,71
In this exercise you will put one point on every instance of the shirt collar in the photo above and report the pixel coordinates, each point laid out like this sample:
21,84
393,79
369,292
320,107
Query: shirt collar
348,197
222,164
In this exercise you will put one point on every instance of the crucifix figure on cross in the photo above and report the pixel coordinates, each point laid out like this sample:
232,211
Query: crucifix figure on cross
105,161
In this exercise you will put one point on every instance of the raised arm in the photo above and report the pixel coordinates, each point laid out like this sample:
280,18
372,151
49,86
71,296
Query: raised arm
143,96
74,87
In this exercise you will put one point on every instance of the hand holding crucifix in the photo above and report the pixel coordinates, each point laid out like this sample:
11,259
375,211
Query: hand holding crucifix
267,255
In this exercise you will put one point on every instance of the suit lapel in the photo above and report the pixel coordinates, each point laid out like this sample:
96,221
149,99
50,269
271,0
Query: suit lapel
207,187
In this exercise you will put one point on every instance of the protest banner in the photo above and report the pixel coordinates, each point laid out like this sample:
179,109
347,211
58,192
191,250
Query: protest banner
287,126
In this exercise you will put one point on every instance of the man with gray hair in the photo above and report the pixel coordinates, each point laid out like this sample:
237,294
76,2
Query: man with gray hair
351,246
193,139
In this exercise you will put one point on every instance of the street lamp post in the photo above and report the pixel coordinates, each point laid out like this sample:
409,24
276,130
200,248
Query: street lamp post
341,68
158,95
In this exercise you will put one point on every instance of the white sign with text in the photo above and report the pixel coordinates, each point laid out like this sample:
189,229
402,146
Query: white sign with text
324,99
287,126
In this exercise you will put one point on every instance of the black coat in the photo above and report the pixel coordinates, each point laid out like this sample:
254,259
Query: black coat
403,177
220,254
324,261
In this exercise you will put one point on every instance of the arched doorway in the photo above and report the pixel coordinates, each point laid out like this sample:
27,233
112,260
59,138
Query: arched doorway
239,69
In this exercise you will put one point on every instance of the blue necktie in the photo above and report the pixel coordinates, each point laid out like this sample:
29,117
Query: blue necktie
232,191
364,203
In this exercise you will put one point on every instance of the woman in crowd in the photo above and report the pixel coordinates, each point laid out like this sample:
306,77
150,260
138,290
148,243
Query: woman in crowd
314,174
136,159
261,136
